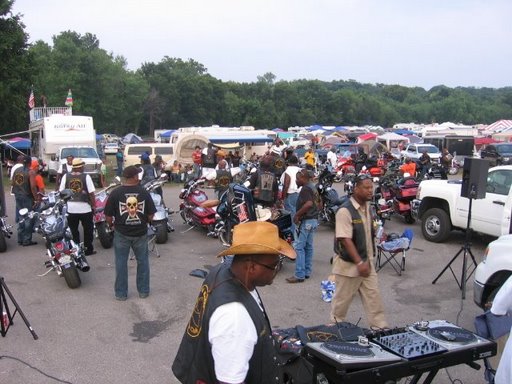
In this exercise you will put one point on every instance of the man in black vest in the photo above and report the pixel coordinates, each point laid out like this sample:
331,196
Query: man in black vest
229,338
25,193
353,265
148,172
208,159
223,178
81,205
263,183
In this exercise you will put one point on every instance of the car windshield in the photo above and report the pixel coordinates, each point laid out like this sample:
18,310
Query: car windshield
429,149
79,152
507,148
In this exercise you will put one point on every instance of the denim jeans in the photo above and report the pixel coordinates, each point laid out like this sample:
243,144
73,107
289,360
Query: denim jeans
290,204
24,229
304,248
122,245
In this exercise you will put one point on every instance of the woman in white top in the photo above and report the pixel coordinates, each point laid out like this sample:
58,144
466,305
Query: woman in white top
502,305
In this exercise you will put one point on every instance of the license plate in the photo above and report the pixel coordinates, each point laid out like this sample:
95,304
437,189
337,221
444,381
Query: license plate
65,260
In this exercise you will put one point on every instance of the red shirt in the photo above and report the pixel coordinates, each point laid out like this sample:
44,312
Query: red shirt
196,157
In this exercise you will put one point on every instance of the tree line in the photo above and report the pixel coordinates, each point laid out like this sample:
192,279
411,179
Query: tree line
176,93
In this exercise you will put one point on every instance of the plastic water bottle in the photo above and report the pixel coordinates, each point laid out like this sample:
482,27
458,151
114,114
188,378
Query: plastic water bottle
380,230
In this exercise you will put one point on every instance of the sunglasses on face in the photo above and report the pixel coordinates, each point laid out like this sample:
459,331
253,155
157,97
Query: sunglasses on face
276,267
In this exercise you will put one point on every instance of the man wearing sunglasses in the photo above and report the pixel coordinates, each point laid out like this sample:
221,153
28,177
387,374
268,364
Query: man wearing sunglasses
229,338
353,265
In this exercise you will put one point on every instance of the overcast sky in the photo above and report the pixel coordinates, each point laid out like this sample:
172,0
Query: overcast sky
407,42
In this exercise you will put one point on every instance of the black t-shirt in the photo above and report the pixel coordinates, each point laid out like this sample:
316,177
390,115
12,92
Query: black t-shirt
130,206
309,193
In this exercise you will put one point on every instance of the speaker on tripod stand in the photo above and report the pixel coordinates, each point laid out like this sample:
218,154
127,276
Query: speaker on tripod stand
474,185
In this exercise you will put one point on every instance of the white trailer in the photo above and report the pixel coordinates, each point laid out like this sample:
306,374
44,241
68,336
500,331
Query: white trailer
50,133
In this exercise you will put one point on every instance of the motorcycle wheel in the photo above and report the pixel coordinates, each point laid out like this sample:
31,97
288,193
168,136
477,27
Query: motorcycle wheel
72,277
161,235
3,243
186,219
226,235
106,237
453,170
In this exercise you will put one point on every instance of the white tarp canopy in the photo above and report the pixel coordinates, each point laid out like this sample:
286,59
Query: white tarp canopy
392,140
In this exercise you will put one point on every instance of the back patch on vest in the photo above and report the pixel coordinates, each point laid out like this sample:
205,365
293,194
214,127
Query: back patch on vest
19,179
195,323
75,184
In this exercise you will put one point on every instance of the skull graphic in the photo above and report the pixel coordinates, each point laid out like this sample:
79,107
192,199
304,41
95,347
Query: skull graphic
132,205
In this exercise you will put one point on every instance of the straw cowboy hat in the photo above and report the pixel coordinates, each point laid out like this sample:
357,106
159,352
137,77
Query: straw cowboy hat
258,237
77,163
262,214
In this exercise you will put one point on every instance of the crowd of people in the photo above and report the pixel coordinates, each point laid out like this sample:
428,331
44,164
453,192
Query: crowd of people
229,336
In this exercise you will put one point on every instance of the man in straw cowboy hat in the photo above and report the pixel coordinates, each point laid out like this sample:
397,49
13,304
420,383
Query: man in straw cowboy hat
228,338
82,203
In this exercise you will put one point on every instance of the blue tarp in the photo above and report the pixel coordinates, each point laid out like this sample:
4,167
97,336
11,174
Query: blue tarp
167,133
18,144
404,132
315,127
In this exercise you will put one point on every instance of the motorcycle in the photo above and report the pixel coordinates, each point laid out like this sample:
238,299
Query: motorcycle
162,220
192,208
435,171
331,201
101,229
64,256
345,168
237,206
454,167
5,232
404,192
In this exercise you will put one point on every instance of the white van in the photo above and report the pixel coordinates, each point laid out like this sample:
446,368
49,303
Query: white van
132,152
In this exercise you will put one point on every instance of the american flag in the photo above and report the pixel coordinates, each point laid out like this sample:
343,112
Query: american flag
31,100
243,215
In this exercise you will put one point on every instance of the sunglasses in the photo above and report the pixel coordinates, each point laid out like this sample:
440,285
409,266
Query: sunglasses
362,177
276,267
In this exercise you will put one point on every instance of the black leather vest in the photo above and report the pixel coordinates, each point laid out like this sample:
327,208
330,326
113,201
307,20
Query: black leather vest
21,182
78,185
264,190
194,362
209,158
148,174
358,235
222,180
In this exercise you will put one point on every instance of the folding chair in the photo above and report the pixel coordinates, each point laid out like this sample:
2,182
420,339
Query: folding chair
388,254
152,247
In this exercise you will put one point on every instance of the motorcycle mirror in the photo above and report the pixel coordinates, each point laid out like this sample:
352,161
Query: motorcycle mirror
117,179
23,211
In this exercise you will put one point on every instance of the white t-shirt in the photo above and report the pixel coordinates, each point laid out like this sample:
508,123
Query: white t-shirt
15,167
78,206
61,170
332,158
291,171
232,336
501,305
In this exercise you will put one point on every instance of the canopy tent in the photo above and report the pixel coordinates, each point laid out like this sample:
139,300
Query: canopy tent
414,139
328,141
503,136
315,127
340,128
403,132
285,135
499,126
167,133
240,139
373,148
277,130
392,140
481,142
366,136
18,143
132,138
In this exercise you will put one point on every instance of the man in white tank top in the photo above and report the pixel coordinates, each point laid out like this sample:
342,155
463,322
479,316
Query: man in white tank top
290,188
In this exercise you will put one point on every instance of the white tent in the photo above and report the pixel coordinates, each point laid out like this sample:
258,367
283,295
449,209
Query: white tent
393,142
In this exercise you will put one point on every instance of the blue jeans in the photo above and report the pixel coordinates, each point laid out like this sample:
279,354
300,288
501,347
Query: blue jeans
24,229
304,248
122,245
290,204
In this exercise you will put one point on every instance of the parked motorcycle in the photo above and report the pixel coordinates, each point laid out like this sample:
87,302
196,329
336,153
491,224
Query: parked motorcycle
455,166
192,210
64,256
331,201
237,206
404,192
435,171
101,229
162,219
5,232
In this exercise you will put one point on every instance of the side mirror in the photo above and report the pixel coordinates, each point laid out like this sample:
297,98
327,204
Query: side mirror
23,211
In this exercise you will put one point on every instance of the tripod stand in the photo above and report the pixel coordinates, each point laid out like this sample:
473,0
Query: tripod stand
465,250
7,317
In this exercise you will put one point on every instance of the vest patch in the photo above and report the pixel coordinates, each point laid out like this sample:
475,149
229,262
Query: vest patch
194,326
19,179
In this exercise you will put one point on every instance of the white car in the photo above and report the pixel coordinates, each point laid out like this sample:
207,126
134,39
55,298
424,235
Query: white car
415,151
493,271
110,148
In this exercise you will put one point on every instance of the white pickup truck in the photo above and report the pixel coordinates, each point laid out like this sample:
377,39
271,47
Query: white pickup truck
414,152
441,208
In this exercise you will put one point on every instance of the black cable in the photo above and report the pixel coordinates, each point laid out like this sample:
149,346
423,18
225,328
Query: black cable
34,368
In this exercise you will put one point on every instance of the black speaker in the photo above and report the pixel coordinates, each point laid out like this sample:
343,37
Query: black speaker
474,178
